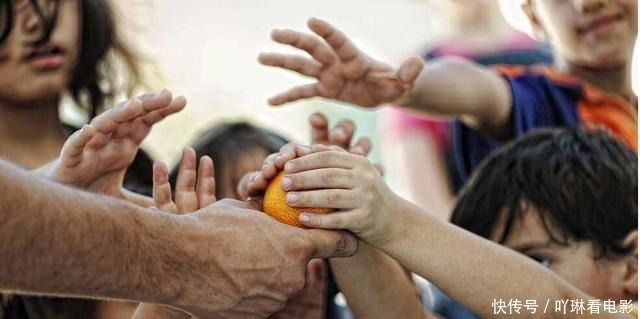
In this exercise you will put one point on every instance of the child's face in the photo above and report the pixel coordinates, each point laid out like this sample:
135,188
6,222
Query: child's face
26,77
247,162
590,33
603,278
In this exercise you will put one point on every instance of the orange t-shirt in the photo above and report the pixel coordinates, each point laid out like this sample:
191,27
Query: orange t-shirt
544,97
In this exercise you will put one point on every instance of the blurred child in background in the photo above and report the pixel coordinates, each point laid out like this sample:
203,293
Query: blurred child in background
475,30
590,82
235,148
48,48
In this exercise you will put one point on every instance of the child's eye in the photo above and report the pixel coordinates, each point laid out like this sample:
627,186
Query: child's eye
544,261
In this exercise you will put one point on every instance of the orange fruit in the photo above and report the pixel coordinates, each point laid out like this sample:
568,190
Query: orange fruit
275,204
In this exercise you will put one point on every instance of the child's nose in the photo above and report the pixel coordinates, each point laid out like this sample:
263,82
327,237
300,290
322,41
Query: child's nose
588,6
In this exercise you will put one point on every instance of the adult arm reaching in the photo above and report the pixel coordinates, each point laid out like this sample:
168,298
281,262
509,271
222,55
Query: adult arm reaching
225,260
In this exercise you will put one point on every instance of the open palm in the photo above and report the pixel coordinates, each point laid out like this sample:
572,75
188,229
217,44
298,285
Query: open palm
344,73
97,156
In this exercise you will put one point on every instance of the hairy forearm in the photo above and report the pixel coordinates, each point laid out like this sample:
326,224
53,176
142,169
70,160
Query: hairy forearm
376,286
459,88
61,241
475,271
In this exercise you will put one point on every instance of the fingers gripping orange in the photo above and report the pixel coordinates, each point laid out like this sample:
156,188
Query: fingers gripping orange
275,204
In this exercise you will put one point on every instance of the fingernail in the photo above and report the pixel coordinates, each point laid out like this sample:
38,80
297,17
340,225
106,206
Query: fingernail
292,198
255,178
288,167
286,182
358,150
303,218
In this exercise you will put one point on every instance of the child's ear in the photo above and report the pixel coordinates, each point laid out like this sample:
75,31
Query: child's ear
631,272
534,22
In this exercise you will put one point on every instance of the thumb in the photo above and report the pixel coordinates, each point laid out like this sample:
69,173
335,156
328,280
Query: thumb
316,272
248,205
410,69
247,186
329,244
73,148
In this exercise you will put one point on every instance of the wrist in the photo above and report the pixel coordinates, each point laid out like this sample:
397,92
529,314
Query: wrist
186,261
160,259
405,99
403,213
46,170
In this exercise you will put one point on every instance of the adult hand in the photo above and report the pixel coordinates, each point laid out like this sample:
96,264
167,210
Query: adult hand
309,303
236,262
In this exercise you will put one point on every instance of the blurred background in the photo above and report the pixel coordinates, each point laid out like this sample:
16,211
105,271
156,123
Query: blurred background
207,51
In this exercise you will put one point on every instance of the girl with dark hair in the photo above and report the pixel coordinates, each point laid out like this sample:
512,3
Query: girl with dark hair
48,48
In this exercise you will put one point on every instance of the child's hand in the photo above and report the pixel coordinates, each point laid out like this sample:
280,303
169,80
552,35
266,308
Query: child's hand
253,184
344,72
329,177
194,190
97,156
340,135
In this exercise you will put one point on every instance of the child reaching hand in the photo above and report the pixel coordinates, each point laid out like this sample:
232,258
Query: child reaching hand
477,271
97,156
590,83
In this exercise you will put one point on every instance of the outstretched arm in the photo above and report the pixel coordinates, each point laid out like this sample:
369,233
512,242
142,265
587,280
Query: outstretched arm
60,241
376,286
471,269
448,87
53,240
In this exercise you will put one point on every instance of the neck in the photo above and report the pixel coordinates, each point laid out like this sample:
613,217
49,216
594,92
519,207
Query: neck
30,134
616,79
